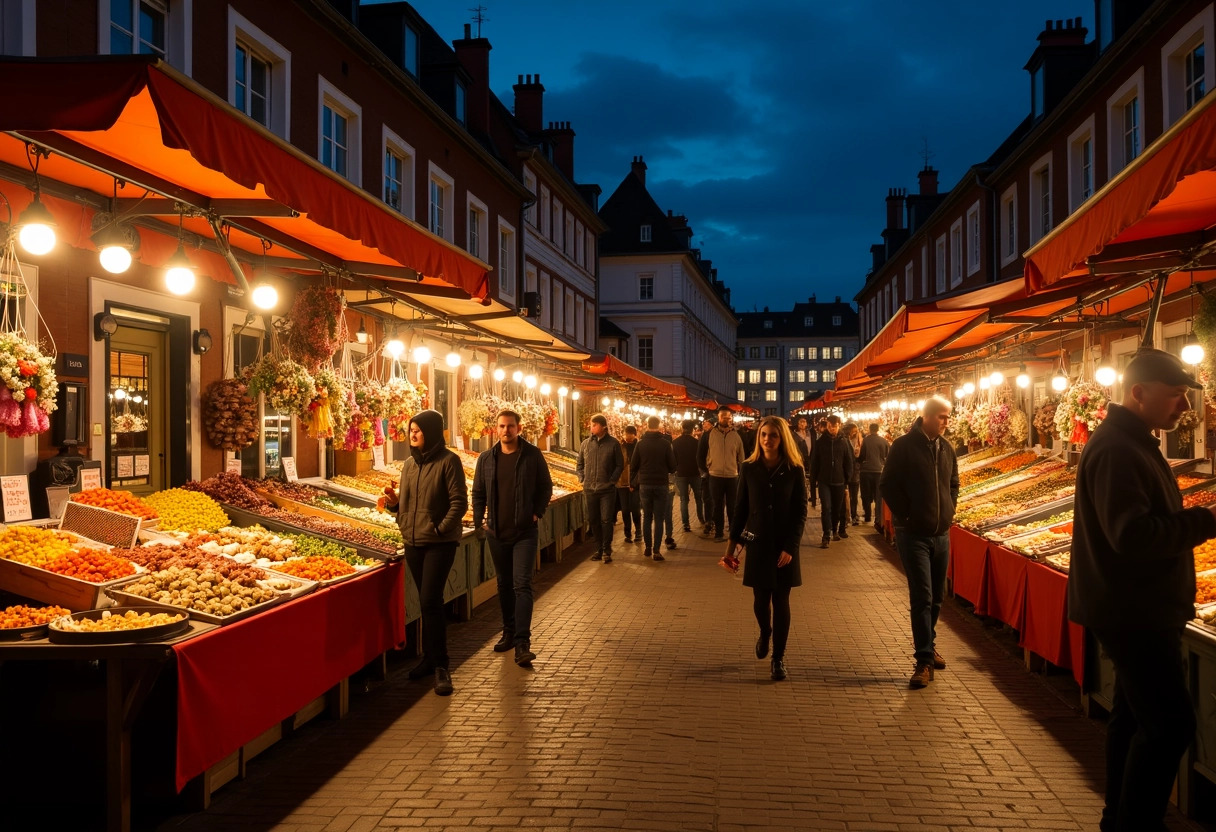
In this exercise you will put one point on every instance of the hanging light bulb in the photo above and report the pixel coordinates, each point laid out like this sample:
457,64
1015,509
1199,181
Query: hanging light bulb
1059,382
1192,353
120,394
395,347
499,374
476,371
607,400
545,389
959,393
179,273
985,383
114,245
452,359
265,296
530,382
37,226
1023,379
1105,376
920,405
563,392
422,354
968,388
618,404
361,336
517,376
997,378
576,395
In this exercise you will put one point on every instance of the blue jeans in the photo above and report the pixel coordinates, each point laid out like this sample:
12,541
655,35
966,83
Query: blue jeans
654,509
601,512
683,486
514,563
925,558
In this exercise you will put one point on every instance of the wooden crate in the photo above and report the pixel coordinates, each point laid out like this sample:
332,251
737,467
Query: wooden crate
352,463
51,588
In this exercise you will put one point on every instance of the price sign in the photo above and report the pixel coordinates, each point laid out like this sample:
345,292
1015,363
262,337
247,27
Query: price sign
378,457
143,464
56,499
233,466
90,478
16,494
289,468
125,466
460,442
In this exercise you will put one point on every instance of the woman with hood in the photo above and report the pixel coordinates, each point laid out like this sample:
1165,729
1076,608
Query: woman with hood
430,508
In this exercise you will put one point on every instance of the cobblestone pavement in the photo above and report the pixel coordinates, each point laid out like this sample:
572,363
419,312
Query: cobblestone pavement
646,709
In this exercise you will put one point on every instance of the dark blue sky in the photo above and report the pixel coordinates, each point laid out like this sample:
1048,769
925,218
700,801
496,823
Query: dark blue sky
776,126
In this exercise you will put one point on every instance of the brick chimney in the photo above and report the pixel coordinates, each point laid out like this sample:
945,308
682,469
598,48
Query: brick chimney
561,136
639,169
529,103
1058,63
474,55
895,208
928,181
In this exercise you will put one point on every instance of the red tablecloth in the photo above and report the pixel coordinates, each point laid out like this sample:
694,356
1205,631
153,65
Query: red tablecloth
1006,585
1046,630
236,681
968,567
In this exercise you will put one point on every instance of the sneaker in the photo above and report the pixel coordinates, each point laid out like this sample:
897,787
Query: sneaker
657,556
504,643
823,544
646,553
597,556
443,682
420,671
671,544
922,675
778,670
844,534
938,662
607,557
762,645
524,655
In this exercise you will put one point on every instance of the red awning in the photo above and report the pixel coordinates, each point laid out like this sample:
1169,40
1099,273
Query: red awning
610,365
139,119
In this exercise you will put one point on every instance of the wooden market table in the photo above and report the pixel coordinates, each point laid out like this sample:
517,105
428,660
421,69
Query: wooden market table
234,682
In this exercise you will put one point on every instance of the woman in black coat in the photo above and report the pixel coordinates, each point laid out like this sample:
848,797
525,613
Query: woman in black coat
768,518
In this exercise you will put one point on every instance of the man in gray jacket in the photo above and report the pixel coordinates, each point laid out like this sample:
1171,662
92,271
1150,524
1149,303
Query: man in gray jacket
874,451
722,456
600,465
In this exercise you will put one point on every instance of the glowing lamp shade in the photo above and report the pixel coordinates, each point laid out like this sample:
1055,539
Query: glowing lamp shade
476,372
545,389
563,392
120,394
452,359
395,348
1059,382
606,401
576,395
499,374
1105,376
997,378
985,383
1023,380
115,259
530,382
179,274
968,388
37,226
517,376
959,393
1192,354
422,354
266,296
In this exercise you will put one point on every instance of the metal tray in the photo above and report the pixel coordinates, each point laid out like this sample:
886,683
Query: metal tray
303,587
20,633
160,632
358,571
241,517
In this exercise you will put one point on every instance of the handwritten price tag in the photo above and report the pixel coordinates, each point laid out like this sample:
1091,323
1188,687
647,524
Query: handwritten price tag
233,466
378,457
16,495
90,478
289,468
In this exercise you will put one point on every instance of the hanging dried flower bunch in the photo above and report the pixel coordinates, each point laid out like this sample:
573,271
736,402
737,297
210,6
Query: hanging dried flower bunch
317,327
230,416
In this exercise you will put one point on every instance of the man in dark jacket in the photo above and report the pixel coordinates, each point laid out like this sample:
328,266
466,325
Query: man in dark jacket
600,463
688,477
831,467
874,450
653,460
920,484
511,490
430,509
1132,582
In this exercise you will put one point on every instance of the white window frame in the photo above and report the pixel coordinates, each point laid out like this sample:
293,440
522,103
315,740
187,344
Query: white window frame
1009,215
472,203
530,184
545,293
956,253
753,376
939,265
330,96
770,376
571,321
391,141
1076,174
436,175
645,233
1197,30
508,255
1037,231
740,376
643,276
179,39
973,239
1133,87
770,395
279,58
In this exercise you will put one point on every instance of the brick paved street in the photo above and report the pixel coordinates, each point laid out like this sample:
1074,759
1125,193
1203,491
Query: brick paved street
646,709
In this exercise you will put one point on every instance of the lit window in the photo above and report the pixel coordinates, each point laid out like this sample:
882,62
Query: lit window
812,376
829,375
797,395
770,395
740,395
742,375
837,352
753,376
812,353
770,376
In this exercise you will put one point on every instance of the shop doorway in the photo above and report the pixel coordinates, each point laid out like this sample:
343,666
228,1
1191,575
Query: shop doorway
135,393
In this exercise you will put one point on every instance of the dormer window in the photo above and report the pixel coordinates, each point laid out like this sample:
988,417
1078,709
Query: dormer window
644,236
410,51
460,102
835,320
1036,92
808,321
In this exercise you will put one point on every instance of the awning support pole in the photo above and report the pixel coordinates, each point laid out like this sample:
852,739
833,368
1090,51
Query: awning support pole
1150,322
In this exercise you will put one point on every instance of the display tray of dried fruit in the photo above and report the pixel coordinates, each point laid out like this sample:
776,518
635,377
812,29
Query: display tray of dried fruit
279,568
277,589
241,517
52,588
130,624
354,496
22,621
1018,514
1059,561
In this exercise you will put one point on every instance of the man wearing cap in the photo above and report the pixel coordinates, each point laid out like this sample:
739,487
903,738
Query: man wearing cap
1132,582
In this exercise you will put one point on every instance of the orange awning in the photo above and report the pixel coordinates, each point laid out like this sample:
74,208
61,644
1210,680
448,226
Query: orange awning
139,120
611,366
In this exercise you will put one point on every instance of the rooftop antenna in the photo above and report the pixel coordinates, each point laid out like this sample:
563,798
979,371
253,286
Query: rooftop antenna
479,16
925,152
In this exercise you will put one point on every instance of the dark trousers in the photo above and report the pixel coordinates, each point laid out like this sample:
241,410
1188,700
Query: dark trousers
514,562
723,491
833,513
654,508
925,558
870,494
429,566
1151,724
631,510
772,608
601,510
683,486
707,500
853,488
